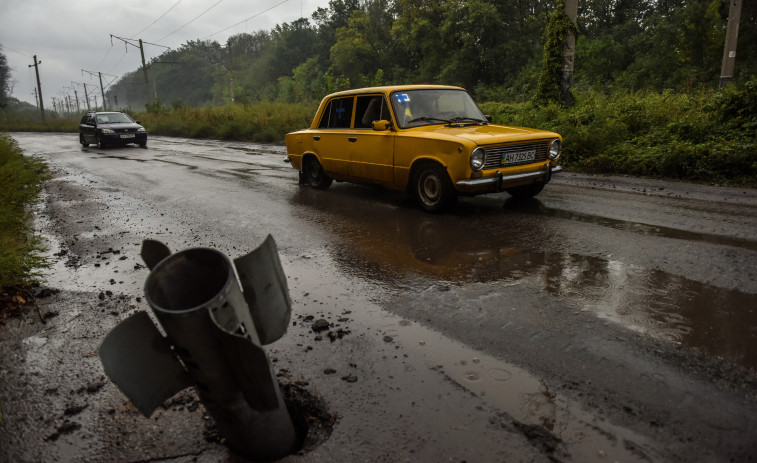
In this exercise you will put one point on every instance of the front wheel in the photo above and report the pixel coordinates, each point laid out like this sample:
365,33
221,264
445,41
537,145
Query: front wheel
100,142
314,174
82,141
433,189
526,191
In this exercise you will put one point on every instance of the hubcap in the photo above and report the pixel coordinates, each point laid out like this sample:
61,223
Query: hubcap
429,188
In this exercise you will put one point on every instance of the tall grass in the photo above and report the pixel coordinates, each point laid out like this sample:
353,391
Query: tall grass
263,122
21,178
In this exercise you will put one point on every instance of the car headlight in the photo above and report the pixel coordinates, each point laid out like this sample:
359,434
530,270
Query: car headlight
555,148
478,158
106,131
141,129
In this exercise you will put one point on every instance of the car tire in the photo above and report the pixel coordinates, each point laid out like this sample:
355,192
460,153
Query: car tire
526,191
100,142
143,145
82,141
314,173
432,188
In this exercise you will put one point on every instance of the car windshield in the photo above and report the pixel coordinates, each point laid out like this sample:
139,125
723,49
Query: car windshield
435,106
113,118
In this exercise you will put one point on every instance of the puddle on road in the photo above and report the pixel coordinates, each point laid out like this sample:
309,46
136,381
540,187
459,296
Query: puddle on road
535,207
505,387
587,437
393,245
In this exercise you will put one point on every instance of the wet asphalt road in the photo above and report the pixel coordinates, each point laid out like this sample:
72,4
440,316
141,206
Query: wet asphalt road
610,319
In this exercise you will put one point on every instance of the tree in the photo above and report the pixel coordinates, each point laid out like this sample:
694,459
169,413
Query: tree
6,80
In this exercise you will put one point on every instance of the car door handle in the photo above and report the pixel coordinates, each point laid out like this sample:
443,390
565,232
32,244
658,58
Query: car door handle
316,137
352,139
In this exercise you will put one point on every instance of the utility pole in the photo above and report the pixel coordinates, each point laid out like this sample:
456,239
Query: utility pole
39,86
731,40
102,87
142,53
76,98
566,82
144,70
231,74
86,96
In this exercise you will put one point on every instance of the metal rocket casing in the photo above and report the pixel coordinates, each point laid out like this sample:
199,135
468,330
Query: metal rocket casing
217,330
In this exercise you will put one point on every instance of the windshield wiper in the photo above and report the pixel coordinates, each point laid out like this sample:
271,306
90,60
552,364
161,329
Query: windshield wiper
461,119
428,119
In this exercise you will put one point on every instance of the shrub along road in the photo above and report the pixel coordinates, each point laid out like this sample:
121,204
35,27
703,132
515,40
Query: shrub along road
610,319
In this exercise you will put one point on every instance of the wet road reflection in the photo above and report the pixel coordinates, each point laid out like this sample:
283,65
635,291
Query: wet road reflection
402,248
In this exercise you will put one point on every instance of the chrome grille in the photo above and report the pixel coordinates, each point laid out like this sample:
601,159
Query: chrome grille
494,153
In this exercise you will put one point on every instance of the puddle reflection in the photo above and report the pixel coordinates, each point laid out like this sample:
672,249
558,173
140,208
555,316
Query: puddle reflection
399,246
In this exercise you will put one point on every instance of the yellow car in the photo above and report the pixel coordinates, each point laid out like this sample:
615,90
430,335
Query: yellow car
430,140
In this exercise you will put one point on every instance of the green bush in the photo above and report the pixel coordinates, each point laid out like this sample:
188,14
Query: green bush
707,136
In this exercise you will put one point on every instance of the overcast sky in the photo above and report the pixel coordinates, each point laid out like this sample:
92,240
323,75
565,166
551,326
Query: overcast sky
70,35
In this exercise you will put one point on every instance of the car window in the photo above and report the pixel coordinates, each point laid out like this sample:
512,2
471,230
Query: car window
338,114
370,108
414,108
113,118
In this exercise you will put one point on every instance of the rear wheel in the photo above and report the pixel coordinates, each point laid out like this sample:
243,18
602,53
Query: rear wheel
314,174
526,191
432,188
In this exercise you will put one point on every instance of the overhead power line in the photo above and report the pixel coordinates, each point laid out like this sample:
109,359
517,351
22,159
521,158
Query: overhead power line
190,22
159,18
245,20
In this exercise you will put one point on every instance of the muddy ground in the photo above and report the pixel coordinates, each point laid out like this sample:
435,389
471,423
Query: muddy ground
611,319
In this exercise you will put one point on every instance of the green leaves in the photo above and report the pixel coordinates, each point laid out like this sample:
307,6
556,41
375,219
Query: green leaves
704,136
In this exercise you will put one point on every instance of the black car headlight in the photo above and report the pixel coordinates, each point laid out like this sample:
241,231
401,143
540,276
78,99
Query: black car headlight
555,148
478,158
106,131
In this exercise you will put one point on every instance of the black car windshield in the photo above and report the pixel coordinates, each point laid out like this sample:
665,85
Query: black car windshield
414,108
113,118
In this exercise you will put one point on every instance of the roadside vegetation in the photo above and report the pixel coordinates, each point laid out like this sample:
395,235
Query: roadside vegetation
705,136
645,88
21,179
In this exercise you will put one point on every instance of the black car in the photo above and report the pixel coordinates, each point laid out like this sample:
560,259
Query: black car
111,129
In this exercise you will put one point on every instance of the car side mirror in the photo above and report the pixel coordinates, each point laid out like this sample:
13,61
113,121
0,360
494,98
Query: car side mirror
140,122
381,125
488,117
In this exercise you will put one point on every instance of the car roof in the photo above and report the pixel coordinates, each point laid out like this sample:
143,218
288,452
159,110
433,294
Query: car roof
387,89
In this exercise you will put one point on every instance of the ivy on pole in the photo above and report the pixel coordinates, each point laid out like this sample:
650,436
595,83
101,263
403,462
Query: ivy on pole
556,34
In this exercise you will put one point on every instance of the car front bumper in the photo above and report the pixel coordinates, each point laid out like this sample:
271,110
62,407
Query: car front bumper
116,138
501,182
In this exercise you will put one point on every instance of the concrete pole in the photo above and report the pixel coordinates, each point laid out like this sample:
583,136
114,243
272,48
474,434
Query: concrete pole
144,70
566,82
731,40
39,86
102,89
86,96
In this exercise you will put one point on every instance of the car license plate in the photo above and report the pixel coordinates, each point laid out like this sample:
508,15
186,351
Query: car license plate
518,157
127,135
